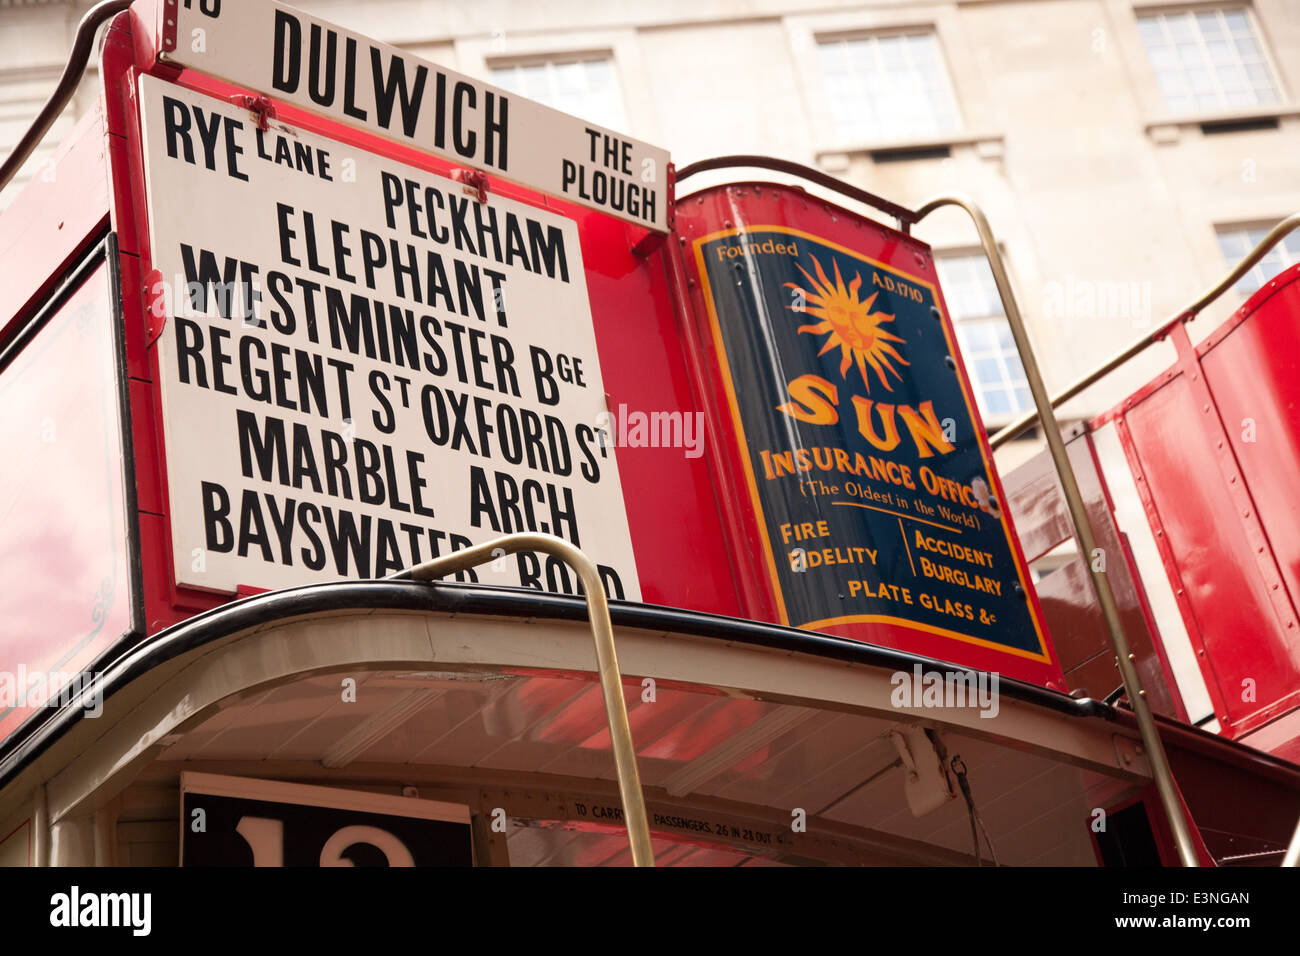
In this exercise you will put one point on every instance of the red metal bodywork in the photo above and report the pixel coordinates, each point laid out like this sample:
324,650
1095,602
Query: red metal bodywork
1069,602
49,225
1214,447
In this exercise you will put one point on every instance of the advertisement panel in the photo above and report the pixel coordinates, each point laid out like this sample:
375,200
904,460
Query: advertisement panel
361,366
866,469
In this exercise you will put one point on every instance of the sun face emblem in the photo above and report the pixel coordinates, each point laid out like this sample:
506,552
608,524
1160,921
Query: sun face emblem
852,326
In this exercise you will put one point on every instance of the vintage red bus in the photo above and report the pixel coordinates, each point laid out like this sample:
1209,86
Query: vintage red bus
350,400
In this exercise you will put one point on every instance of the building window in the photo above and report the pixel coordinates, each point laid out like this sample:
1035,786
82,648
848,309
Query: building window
586,87
1053,562
1236,241
990,354
1208,60
889,87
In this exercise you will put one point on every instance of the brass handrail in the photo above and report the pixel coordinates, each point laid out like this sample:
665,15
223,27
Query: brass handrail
1275,235
1169,798
1292,857
611,682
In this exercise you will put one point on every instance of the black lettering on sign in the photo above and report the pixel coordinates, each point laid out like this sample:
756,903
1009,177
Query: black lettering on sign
383,475
507,505
217,137
320,343
476,128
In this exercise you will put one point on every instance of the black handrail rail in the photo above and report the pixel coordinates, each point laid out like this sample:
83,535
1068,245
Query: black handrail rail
905,216
82,44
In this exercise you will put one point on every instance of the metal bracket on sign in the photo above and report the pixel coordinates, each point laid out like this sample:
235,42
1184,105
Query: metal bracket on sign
167,29
475,182
259,106
670,223
154,307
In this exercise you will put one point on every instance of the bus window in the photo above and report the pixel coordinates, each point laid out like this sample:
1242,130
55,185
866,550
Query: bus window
66,561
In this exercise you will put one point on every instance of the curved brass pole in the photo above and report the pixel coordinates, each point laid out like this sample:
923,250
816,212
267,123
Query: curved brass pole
611,683
1292,857
1275,235
1164,779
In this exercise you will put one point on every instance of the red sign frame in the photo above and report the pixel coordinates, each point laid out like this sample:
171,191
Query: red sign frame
632,307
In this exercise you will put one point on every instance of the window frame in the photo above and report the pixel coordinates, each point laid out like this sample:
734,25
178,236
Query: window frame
1283,101
1246,227
477,55
981,121
101,252
995,419
1167,128
958,131
504,61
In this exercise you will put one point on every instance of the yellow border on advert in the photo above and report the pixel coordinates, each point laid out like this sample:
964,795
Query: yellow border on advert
729,385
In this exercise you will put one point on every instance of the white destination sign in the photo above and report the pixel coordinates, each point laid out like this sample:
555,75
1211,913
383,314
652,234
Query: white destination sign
292,56
361,366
